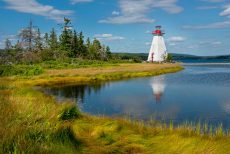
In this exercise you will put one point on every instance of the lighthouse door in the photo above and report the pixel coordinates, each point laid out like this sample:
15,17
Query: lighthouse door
152,56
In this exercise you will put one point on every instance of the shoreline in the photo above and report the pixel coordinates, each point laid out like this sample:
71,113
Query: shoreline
38,121
203,64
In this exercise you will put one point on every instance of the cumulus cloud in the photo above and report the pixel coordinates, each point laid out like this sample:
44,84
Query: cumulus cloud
216,25
34,7
108,37
134,11
79,1
226,12
174,39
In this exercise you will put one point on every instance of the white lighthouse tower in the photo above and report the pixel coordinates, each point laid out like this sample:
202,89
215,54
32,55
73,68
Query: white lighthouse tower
158,51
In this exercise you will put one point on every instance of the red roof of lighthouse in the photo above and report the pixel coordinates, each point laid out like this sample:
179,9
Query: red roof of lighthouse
158,31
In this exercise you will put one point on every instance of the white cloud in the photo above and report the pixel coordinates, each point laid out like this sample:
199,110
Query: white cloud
147,43
226,12
79,1
134,11
216,43
216,25
108,37
1,44
172,44
148,32
10,37
213,1
207,7
127,20
34,7
174,39
115,13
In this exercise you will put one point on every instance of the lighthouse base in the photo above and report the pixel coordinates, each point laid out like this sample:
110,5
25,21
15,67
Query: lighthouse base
157,51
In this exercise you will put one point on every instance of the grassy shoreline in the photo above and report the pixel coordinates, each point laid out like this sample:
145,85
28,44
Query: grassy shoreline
109,73
32,122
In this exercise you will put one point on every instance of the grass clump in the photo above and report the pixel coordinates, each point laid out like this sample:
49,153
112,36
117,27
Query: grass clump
70,113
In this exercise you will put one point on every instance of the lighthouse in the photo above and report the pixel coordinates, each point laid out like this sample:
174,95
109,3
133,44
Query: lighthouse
158,51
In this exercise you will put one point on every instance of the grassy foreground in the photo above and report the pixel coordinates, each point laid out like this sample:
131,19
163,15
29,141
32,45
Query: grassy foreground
32,122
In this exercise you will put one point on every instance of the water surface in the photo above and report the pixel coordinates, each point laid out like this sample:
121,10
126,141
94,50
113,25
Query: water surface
198,93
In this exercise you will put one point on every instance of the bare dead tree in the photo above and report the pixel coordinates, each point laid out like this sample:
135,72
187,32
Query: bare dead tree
8,44
27,36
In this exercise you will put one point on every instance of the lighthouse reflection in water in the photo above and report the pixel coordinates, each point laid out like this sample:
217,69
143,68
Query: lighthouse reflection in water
158,86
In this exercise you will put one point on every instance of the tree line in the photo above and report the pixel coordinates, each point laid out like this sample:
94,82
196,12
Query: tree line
32,45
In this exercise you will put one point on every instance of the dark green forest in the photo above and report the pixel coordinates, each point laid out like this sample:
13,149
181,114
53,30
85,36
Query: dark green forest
35,51
34,47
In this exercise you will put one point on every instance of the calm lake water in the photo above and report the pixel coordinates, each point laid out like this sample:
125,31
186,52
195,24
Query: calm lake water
199,93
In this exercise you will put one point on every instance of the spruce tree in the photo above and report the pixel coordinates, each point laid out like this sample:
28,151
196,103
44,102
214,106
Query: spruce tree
75,45
46,40
88,43
38,41
66,37
97,47
82,48
53,42
108,52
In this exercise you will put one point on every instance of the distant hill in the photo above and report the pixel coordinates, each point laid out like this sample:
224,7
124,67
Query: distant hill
176,57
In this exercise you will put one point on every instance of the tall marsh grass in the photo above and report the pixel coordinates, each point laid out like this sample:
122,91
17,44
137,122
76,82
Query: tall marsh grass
32,122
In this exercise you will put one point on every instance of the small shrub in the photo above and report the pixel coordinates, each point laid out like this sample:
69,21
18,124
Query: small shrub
70,113
30,58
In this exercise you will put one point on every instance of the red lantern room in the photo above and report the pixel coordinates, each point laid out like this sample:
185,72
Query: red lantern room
158,31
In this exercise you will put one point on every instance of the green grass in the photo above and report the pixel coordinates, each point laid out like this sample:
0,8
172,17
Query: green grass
38,68
20,70
32,122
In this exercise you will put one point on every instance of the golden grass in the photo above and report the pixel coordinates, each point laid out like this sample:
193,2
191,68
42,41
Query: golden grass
98,74
30,120
107,135
145,67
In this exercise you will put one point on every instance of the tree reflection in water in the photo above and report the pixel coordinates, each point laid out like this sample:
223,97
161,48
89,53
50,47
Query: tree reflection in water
75,92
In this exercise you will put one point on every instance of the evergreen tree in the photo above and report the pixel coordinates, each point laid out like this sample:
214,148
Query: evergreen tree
66,36
88,43
75,45
81,47
46,40
53,42
38,41
97,47
108,52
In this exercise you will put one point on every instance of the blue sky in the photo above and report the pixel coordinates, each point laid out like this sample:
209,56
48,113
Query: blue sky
199,27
